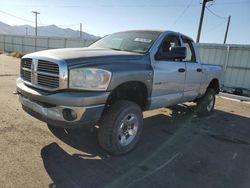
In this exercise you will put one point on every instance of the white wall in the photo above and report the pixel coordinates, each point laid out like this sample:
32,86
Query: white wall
27,44
235,60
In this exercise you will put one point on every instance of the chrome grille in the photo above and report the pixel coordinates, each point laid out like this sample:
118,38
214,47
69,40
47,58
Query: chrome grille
26,63
46,66
26,75
48,81
40,73
26,69
48,74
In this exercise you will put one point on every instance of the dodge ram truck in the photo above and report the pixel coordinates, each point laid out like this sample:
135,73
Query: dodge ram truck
111,82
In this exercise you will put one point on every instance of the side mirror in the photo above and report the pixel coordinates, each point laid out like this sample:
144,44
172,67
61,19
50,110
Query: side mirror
175,52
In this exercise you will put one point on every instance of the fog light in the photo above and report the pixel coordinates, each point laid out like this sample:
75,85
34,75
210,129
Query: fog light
69,114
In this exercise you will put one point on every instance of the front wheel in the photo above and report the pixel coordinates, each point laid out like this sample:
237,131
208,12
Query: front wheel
205,105
120,127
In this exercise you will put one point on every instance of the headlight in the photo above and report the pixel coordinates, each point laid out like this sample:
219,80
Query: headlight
89,79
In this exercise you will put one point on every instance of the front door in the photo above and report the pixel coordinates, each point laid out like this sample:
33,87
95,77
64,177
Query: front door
169,77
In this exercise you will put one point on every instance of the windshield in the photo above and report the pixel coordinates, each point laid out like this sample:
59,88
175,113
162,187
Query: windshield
132,41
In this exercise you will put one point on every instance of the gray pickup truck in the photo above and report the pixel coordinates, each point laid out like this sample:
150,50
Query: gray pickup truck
110,83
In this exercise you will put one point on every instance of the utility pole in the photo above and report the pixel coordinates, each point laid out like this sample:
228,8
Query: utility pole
201,19
228,23
26,31
80,30
36,13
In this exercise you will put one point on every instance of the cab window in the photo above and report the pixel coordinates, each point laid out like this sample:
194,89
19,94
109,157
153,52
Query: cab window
190,50
169,41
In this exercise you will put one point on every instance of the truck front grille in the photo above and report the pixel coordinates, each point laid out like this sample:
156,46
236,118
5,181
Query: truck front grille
46,66
48,81
26,63
26,75
39,73
48,74
25,69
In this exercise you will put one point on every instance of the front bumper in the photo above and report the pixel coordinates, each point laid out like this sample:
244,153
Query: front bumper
51,107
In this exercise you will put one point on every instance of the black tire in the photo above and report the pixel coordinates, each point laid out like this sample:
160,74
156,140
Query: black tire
205,105
109,136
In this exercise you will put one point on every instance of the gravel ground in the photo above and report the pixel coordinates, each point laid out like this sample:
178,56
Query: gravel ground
177,149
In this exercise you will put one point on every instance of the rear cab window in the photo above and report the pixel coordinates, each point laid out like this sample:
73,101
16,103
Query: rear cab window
190,50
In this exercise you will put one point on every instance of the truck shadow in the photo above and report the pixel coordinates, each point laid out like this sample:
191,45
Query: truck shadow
161,125
93,167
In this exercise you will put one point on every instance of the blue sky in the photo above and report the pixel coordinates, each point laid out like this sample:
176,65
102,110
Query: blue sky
101,17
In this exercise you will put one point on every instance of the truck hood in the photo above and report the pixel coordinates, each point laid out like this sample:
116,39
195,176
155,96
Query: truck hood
73,56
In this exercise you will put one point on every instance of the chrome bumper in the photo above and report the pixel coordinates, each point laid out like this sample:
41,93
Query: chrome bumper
55,113
54,108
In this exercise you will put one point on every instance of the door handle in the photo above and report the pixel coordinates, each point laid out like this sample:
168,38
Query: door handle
199,70
181,70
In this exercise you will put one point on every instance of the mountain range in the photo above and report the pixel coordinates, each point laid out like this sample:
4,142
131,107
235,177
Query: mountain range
50,30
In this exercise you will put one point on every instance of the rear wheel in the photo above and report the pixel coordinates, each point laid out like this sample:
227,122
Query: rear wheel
120,127
205,105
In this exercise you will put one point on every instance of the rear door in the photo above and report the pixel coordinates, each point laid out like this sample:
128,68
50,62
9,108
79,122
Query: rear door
169,76
193,72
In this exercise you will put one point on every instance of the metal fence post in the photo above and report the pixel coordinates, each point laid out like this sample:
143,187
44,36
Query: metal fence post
35,44
12,43
22,44
64,42
225,65
48,43
3,43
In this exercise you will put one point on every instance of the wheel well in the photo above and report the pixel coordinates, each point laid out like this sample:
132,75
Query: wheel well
214,84
133,91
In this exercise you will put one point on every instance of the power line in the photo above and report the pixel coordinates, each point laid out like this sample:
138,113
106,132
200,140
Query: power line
215,27
182,13
40,22
218,16
233,3
20,18
138,5
70,25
